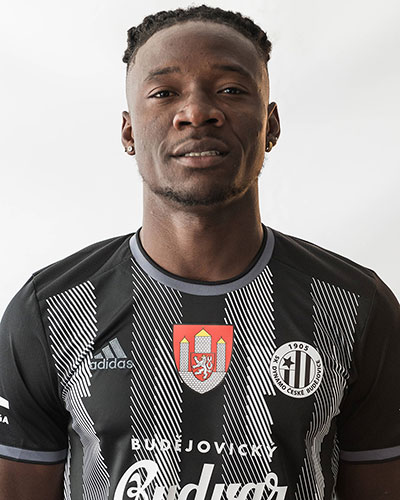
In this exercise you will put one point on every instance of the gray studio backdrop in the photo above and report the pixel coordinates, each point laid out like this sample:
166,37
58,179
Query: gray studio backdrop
333,179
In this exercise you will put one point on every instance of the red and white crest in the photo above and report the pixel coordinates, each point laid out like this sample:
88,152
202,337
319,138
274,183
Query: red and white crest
202,354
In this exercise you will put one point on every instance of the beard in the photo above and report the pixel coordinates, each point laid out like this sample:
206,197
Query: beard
192,199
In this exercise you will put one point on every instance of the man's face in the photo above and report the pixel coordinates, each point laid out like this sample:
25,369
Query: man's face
198,87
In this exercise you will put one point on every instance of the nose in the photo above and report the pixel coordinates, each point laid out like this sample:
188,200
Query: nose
197,111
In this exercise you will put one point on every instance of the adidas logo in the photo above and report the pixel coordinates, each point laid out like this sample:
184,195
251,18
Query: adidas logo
111,357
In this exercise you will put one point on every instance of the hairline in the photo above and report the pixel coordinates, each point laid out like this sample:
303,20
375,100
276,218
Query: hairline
131,63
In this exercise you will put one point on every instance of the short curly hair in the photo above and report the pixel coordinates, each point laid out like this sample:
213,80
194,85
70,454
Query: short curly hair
138,35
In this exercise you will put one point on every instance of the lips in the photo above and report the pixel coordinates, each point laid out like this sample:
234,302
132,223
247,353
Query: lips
200,146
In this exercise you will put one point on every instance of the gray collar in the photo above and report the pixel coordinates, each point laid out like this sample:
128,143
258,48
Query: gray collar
202,287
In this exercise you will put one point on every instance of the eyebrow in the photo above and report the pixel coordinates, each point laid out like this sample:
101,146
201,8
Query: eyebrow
234,68
162,71
175,69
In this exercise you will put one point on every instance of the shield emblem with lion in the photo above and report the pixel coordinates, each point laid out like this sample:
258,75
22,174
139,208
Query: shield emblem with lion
202,354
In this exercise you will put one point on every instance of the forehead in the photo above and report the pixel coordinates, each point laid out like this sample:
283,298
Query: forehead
197,42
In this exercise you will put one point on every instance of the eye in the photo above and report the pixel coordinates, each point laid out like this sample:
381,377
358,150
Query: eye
233,90
158,96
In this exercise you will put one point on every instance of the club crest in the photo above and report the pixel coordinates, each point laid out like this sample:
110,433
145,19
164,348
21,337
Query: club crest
202,354
296,369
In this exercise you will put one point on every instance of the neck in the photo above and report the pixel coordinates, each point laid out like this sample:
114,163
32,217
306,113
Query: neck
206,243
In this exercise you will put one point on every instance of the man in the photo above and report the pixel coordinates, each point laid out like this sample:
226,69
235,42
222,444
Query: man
205,355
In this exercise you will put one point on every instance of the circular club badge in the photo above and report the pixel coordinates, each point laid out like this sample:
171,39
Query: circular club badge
296,369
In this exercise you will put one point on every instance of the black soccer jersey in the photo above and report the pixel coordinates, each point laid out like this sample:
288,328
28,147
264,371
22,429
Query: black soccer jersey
152,386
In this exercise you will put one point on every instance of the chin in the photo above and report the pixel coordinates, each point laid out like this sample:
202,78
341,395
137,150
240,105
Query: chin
193,199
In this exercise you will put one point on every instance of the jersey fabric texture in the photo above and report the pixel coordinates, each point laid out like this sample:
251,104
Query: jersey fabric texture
153,386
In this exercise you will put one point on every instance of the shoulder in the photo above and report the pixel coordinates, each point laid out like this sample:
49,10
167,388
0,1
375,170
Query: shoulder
82,265
324,265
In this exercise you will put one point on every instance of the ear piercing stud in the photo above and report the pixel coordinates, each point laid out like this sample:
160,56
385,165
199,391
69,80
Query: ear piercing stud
270,146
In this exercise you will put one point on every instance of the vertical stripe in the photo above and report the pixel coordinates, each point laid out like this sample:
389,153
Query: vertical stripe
298,369
286,376
247,418
335,315
307,371
72,323
155,377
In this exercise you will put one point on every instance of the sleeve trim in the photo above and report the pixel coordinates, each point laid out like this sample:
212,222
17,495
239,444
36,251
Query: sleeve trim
370,455
32,455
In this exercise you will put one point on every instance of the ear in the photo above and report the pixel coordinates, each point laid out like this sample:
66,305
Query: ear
273,126
127,133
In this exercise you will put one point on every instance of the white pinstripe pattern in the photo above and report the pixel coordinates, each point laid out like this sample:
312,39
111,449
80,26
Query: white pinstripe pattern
335,316
335,457
250,309
67,474
72,323
156,381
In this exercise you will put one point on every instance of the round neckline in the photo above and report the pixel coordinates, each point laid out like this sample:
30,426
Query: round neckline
196,287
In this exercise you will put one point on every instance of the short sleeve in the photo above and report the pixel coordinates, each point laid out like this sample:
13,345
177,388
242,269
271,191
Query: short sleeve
369,422
33,422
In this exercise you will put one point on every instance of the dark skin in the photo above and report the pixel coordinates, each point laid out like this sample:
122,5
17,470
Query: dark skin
369,481
219,205
184,204
19,481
